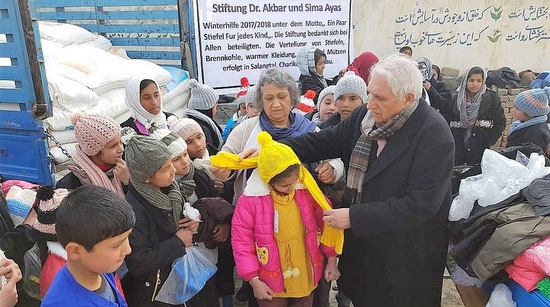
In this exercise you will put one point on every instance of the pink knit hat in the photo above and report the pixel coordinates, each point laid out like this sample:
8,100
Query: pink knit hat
185,127
93,131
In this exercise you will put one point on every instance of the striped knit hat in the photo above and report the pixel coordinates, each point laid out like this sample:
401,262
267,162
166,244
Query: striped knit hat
533,102
49,201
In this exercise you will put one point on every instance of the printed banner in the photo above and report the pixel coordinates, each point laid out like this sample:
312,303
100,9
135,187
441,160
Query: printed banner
243,38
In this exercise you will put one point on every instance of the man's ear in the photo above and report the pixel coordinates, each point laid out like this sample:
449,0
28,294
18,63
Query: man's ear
409,99
74,251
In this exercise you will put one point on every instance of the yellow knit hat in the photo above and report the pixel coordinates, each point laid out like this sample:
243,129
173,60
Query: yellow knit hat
273,159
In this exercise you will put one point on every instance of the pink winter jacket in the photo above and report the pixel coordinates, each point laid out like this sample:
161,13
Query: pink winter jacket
253,239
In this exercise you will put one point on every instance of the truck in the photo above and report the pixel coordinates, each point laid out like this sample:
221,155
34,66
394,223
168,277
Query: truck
160,31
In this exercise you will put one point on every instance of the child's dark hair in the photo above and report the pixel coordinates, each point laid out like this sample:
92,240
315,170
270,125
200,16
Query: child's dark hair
289,171
91,214
438,70
318,54
476,70
145,83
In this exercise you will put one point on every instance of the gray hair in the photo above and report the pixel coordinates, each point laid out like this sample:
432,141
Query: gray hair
401,73
280,78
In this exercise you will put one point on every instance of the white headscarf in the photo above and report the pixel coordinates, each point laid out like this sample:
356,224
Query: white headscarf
132,97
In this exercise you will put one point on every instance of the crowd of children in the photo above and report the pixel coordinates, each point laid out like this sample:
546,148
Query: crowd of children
111,231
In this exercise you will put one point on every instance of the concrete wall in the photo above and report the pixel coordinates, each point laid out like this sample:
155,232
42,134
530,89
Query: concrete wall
458,34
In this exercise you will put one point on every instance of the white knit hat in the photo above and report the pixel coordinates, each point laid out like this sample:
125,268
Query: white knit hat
175,143
326,91
351,83
203,97
19,202
186,127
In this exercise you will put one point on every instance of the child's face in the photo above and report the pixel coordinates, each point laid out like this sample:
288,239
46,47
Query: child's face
112,152
475,81
520,115
107,255
286,185
327,107
181,163
196,145
251,111
320,65
346,103
242,109
164,176
149,99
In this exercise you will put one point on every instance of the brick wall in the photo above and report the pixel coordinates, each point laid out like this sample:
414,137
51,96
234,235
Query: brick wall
507,97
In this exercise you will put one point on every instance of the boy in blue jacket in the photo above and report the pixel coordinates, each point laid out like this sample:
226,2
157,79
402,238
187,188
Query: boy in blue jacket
93,224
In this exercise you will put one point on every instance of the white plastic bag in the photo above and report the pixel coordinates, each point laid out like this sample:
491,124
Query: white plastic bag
189,275
500,178
461,278
501,297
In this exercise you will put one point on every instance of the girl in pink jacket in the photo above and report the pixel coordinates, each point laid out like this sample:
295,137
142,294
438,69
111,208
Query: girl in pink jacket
277,225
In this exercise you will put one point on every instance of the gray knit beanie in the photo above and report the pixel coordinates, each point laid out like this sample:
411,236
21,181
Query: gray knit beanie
251,94
351,83
145,156
326,91
203,97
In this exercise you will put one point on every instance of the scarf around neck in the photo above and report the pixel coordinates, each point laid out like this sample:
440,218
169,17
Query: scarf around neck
95,174
187,183
359,160
517,125
171,202
298,126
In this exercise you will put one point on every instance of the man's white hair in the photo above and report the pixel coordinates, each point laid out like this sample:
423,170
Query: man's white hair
401,73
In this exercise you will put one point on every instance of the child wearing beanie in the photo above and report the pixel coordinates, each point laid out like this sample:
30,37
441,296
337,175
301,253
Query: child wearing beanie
249,103
199,152
98,158
215,213
144,102
203,106
280,210
531,116
349,94
159,236
311,62
325,107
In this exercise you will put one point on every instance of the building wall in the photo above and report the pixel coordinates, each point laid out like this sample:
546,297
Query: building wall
458,34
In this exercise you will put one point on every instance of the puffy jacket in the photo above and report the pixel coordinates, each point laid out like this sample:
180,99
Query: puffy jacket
253,239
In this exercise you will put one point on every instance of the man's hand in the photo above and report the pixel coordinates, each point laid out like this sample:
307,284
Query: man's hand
221,232
337,218
325,172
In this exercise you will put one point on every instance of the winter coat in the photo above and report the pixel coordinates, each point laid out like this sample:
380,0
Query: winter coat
482,138
154,247
331,121
395,252
440,96
253,239
538,134
244,137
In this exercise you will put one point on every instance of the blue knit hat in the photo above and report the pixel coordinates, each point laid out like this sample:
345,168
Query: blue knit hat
533,102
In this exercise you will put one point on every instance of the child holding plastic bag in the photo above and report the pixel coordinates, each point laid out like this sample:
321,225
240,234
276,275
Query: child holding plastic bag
161,234
276,225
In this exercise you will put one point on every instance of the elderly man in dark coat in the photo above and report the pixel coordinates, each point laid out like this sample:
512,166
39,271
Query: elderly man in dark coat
399,156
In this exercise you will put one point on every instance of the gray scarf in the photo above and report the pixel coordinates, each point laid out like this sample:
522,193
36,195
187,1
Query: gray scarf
171,202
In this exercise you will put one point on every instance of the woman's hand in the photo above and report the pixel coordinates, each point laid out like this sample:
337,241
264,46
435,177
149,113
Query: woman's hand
8,293
331,270
121,171
249,153
221,173
261,290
